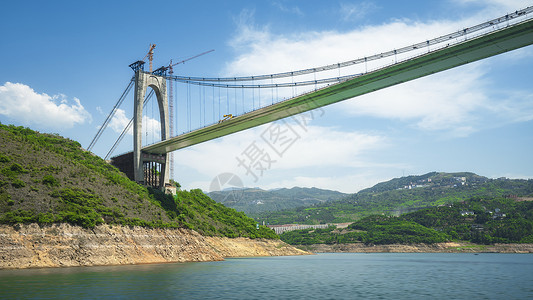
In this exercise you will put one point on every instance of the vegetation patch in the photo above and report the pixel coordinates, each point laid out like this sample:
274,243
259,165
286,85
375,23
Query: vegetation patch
477,220
399,196
45,178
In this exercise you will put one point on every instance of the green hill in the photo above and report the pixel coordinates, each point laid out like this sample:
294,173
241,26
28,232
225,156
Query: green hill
45,178
401,195
478,220
253,201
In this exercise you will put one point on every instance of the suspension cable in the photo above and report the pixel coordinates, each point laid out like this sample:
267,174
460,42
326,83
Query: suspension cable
111,114
127,128
348,63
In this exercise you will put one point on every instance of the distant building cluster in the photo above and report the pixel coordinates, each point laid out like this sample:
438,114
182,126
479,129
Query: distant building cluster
496,214
279,229
456,181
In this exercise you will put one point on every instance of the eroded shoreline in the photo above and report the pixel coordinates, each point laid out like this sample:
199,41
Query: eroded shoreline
450,247
65,245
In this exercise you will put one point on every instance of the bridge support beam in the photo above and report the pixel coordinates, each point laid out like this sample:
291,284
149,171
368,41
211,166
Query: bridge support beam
144,80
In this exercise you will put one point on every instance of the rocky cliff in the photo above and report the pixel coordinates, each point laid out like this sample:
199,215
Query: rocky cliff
64,245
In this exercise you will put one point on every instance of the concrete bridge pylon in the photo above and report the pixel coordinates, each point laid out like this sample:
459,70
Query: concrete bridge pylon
150,169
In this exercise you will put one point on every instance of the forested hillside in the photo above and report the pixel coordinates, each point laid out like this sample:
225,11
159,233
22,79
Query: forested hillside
478,220
254,201
402,195
45,178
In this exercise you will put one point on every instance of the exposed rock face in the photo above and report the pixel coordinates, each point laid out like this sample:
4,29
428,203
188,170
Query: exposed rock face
63,245
244,247
426,248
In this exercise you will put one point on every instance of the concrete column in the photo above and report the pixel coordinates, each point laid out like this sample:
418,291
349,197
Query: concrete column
140,90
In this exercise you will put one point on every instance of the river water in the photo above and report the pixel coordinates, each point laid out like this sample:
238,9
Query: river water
322,276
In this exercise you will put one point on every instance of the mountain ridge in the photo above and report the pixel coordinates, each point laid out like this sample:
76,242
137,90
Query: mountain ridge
400,195
256,200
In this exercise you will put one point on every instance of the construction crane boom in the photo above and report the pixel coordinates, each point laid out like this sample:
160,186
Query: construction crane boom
192,57
150,55
170,65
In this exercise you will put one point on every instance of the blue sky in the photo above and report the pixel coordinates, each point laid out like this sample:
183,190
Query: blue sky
65,64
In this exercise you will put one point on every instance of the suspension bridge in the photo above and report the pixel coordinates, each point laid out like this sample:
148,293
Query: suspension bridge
215,107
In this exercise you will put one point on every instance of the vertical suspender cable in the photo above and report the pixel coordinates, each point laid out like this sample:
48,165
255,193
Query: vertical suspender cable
151,121
188,107
205,117
253,95
176,108
200,105
272,89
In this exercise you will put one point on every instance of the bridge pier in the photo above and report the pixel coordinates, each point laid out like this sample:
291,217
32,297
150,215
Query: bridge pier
145,165
152,167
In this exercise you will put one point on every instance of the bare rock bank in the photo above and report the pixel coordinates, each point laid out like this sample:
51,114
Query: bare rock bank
450,247
64,245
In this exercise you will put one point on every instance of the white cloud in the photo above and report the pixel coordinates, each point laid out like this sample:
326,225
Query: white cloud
21,103
442,102
497,6
151,127
262,52
513,107
99,110
346,184
356,11
120,121
458,102
286,9
326,147
316,147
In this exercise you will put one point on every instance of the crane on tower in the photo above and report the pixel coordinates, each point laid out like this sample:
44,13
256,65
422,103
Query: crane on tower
150,55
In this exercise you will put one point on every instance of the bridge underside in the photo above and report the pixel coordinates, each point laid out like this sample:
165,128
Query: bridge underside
449,57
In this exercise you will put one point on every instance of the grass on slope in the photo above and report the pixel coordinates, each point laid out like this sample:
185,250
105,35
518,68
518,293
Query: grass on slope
45,178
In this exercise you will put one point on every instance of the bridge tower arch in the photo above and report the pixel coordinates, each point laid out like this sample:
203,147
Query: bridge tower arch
150,169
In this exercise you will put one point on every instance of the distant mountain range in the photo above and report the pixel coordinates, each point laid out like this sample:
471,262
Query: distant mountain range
393,197
253,201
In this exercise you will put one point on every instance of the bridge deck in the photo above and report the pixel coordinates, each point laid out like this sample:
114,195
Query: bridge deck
497,42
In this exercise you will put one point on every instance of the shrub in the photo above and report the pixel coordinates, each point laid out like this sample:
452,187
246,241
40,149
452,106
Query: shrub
50,181
17,183
17,168
4,158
